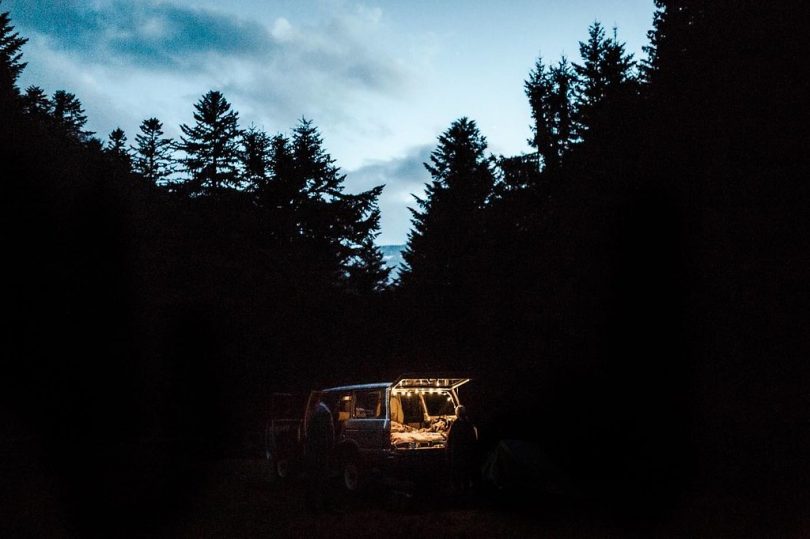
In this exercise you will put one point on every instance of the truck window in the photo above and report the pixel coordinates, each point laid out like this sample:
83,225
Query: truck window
344,407
368,404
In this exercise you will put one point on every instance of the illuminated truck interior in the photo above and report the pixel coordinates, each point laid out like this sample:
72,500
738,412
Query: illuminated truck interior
422,410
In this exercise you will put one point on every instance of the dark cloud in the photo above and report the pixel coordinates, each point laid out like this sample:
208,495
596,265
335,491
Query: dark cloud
403,177
281,69
399,172
143,33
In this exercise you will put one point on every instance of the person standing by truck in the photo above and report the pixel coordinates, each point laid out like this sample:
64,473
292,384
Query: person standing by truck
318,445
462,450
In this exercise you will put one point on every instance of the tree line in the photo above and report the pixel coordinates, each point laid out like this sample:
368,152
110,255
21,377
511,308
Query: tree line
292,180
568,102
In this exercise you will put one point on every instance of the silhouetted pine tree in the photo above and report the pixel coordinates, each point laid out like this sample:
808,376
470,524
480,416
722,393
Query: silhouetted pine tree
68,115
153,152
10,62
254,158
117,148
283,195
561,104
314,215
676,39
368,272
211,145
538,88
617,65
36,104
605,71
308,215
549,91
365,268
322,178
517,173
447,224
281,163
590,89
333,224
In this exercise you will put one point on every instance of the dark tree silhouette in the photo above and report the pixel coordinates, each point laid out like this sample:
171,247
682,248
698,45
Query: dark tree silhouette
117,147
322,179
153,152
68,115
282,197
538,88
590,90
254,157
211,145
11,64
36,104
330,222
447,221
308,215
618,66
561,104
550,91
604,73
675,39
321,186
367,271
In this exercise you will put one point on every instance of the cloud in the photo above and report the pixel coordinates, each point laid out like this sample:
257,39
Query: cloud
334,68
167,36
332,72
403,177
155,35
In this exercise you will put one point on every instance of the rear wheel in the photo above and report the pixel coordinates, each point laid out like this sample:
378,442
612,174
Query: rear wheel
352,477
282,468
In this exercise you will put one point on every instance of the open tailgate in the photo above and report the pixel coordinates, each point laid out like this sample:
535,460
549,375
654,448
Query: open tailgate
433,381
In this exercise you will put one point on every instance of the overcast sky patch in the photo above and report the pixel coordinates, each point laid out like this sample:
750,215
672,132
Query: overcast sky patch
403,177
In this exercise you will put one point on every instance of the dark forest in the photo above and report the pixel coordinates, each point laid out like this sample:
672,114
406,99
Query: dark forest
633,296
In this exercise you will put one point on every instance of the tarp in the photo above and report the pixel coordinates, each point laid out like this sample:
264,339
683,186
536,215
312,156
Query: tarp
520,464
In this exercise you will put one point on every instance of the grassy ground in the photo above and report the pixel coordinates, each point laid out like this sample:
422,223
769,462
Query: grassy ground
236,498
239,501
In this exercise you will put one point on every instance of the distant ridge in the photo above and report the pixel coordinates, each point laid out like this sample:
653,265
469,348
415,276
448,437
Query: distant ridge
392,256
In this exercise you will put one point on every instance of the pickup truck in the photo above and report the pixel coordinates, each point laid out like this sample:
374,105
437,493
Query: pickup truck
397,428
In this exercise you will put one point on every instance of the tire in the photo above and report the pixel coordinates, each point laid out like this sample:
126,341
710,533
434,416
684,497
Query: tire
269,467
352,475
279,469
282,468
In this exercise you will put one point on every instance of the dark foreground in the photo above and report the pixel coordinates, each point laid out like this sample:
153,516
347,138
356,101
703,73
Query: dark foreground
236,498
241,501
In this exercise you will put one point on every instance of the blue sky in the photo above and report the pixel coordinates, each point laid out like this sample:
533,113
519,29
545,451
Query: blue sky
380,79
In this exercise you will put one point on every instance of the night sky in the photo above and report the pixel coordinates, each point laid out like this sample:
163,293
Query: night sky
380,79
